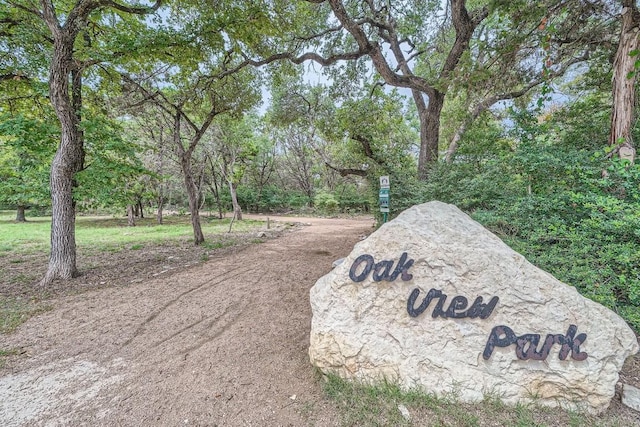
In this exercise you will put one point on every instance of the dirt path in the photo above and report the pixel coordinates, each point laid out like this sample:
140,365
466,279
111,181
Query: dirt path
222,344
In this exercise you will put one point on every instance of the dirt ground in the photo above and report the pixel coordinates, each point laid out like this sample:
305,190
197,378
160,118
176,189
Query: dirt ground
181,336
223,342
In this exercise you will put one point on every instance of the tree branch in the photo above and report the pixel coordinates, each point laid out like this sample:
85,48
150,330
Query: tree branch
346,171
368,151
132,9
309,56
13,76
376,54
488,102
464,26
32,10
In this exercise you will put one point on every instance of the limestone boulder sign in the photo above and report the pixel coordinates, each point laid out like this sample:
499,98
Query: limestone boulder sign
433,300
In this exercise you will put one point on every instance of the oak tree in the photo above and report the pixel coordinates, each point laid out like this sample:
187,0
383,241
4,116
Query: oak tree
61,28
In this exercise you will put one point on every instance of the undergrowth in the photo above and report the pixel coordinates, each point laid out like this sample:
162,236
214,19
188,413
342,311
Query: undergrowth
383,404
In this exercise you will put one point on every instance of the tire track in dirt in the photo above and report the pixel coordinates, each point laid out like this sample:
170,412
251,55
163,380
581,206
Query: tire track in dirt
230,314
230,321
224,343
203,286
211,323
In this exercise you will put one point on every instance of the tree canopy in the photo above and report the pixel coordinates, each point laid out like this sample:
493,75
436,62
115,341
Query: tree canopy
521,112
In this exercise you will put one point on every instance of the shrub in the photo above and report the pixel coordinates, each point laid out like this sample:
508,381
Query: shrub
326,202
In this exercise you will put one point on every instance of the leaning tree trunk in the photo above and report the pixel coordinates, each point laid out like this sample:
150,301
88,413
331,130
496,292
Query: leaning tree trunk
192,192
20,216
468,121
464,126
624,72
237,210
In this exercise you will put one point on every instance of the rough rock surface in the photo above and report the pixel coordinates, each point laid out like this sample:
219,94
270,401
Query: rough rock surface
365,326
631,397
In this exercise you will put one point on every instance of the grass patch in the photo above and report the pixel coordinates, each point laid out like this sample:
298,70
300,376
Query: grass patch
24,279
112,234
220,244
15,311
366,405
24,238
109,234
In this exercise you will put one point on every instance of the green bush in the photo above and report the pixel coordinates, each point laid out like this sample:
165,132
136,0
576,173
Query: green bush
326,202
353,198
563,204
271,198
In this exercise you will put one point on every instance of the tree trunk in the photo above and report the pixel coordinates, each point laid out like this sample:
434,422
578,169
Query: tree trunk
237,210
624,81
216,195
67,162
476,111
62,260
160,207
69,158
258,199
131,216
215,185
192,192
160,173
423,162
467,122
421,107
430,134
20,217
